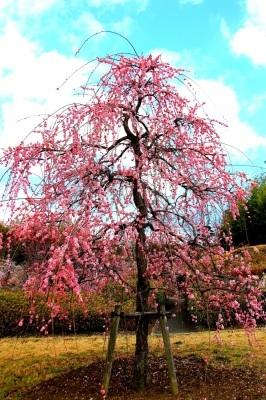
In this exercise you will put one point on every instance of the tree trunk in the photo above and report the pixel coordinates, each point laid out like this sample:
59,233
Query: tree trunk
141,350
141,354
143,287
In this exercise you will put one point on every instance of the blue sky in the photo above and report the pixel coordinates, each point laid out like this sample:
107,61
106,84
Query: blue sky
221,42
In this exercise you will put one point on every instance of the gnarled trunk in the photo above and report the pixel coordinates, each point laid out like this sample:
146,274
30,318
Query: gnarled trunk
141,354
141,350
143,287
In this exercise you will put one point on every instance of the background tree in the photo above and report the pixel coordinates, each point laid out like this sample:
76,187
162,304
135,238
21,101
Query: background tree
249,227
133,167
12,258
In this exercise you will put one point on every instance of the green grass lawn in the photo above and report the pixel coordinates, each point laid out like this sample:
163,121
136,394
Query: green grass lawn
24,362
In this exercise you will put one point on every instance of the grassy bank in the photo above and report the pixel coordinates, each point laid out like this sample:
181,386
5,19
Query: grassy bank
24,362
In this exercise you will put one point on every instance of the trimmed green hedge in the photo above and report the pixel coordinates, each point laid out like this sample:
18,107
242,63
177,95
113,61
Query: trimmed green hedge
15,307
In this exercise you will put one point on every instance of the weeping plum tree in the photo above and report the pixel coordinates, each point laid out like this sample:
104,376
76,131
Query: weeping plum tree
127,183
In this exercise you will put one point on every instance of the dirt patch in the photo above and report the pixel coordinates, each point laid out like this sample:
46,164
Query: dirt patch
197,381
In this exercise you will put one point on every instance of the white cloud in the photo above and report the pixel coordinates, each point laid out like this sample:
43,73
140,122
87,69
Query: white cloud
141,4
221,103
257,103
257,10
88,24
183,59
28,82
225,29
25,7
193,2
100,3
171,57
123,26
14,47
251,42
250,39
85,26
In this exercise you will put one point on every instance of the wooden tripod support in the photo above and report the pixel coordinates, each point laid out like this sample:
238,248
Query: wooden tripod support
115,319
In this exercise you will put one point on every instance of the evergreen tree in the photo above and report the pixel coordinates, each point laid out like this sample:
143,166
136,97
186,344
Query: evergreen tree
249,228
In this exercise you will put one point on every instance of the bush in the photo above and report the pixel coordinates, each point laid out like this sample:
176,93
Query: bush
15,307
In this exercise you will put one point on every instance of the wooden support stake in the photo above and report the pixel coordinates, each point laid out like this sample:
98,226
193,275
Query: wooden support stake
111,347
168,351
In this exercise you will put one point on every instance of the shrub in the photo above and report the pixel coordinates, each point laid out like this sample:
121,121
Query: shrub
14,307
